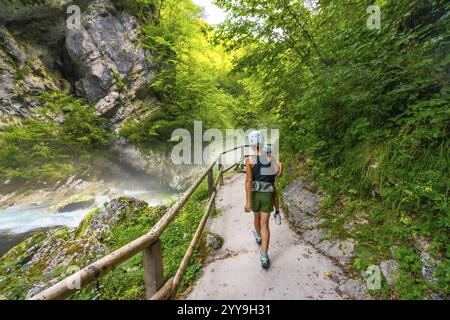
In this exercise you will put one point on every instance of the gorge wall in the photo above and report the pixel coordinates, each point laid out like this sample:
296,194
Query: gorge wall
102,60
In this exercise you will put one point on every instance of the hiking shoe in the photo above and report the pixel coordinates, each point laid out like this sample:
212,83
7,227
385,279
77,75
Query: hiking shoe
277,217
257,238
265,261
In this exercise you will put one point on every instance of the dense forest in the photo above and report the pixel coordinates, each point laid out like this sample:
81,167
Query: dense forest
365,111
363,114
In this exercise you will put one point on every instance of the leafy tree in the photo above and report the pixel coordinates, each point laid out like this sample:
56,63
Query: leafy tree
191,80
367,108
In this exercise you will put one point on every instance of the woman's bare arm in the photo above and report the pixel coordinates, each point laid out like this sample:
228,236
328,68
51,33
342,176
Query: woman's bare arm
280,169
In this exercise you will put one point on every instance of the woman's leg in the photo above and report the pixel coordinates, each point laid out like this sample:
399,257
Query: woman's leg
276,202
265,231
257,221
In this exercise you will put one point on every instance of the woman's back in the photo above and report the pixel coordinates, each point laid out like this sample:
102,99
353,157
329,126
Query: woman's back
262,169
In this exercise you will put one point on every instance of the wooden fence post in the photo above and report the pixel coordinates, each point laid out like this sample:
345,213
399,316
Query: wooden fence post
220,169
153,269
210,182
241,165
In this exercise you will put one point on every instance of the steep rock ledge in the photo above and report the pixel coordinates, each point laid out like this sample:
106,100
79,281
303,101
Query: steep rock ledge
109,60
102,61
303,206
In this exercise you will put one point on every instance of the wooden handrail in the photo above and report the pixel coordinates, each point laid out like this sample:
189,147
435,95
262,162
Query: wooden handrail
89,274
190,251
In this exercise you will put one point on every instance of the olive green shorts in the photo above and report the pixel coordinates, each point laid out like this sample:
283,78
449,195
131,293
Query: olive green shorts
261,201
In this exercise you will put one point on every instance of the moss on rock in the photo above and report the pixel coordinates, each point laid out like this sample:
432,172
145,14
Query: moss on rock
101,232
43,259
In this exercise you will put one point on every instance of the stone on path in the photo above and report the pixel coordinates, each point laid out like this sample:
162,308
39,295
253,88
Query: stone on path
390,270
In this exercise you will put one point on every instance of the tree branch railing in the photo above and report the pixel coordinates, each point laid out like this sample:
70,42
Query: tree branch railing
150,245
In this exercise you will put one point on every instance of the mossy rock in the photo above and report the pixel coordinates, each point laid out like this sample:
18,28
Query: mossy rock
44,258
22,253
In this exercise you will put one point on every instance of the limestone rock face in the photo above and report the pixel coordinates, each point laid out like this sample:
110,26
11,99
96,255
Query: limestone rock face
76,203
16,10
390,270
102,60
105,50
105,219
23,75
32,58
213,241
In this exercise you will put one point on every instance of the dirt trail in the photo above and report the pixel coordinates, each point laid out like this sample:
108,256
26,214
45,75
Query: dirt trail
297,271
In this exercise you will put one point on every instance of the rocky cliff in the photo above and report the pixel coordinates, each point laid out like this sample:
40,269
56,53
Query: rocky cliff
101,60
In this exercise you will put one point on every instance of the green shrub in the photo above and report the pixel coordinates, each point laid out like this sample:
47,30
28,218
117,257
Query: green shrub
192,82
367,109
42,149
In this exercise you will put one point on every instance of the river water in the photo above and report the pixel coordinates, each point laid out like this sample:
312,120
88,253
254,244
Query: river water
21,220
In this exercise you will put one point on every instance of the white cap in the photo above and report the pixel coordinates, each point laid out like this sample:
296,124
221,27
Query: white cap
255,138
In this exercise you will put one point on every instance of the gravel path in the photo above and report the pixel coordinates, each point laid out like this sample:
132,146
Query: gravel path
234,272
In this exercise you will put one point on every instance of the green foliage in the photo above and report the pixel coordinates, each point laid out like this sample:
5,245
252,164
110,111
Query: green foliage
42,149
368,109
191,83
126,281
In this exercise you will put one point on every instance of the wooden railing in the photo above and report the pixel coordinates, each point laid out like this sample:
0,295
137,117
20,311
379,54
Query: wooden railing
150,245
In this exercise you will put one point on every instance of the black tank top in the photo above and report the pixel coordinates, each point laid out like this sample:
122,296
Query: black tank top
263,170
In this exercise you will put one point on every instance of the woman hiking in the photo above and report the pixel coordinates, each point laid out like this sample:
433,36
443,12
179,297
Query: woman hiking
259,189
